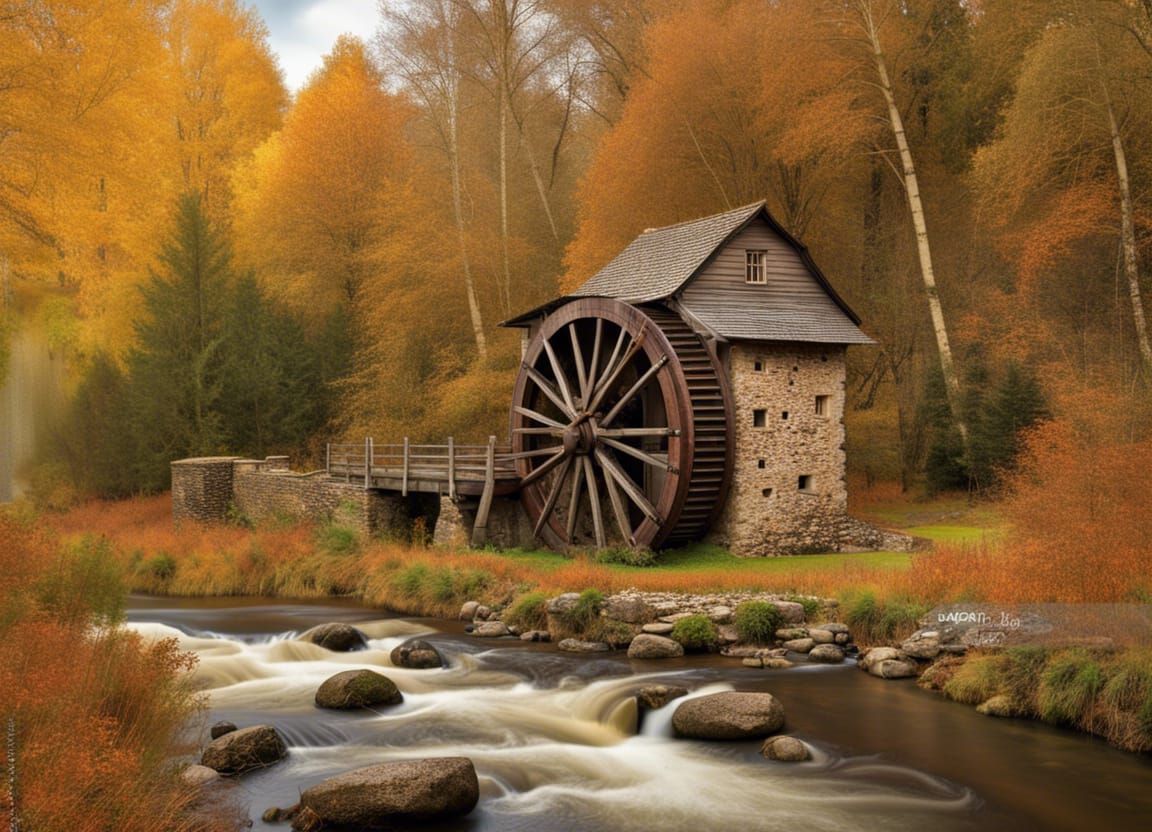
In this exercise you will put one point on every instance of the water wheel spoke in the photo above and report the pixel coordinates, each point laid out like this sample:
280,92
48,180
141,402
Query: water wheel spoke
578,356
553,496
551,449
549,391
561,378
618,509
647,459
544,467
594,501
612,358
643,433
574,502
557,432
610,379
630,488
538,417
634,389
593,367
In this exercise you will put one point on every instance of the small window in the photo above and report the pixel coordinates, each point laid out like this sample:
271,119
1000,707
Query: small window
758,366
759,418
804,482
754,270
821,405
767,492
760,463
784,415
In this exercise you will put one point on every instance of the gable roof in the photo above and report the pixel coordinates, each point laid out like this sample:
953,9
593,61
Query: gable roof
661,261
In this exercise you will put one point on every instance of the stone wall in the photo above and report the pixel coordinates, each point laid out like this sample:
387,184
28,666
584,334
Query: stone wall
508,525
202,488
208,489
789,494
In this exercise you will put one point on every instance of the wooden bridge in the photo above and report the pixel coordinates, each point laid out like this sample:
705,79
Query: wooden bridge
457,471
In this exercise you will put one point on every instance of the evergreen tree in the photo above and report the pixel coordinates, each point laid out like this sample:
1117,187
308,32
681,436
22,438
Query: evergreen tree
1018,403
95,440
176,367
271,392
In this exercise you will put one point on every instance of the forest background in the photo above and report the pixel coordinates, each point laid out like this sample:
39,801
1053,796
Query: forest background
232,269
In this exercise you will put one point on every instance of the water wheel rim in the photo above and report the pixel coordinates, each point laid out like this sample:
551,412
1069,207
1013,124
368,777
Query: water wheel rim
666,372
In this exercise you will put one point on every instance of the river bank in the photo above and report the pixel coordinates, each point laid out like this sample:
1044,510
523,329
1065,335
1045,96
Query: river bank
539,726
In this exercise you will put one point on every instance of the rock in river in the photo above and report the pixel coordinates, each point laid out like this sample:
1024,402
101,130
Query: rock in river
392,794
339,638
220,729
416,655
491,629
826,654
653,697
249,748
785,749
575,645
647,646
729,716
357,689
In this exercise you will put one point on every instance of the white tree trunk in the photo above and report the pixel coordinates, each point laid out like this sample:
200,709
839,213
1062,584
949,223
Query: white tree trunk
458,212
1128,238
912,189
506,283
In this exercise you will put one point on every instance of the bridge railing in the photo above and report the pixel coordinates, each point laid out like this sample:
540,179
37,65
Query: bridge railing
445,463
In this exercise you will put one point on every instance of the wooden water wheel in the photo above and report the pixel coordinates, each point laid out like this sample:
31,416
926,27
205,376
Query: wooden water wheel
621,426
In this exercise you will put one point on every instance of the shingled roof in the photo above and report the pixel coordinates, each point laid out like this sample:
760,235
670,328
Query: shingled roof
659,263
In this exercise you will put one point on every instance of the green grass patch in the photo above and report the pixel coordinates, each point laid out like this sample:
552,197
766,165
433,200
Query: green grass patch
529,612
757,622
695,632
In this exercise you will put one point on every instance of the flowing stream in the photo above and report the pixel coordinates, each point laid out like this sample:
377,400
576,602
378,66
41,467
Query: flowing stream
552,736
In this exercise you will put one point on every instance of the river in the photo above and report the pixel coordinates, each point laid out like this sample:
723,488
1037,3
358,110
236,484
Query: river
548,734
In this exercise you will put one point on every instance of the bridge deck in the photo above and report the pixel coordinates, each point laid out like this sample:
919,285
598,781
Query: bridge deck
449,469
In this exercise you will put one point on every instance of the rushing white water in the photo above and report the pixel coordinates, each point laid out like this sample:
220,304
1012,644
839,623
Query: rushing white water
554,751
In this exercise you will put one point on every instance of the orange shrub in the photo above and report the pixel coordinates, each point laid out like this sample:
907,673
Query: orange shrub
96,712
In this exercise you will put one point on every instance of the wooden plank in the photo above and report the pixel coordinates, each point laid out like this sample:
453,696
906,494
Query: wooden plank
451,469
480,529
367,463
404,486
618,509
594,501
553,496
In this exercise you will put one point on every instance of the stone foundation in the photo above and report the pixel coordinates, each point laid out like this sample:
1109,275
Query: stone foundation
789,494
508,525
202,488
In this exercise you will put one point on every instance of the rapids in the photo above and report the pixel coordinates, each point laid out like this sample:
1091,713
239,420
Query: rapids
552,735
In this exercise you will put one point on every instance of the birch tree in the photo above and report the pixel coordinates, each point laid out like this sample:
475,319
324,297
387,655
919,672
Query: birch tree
870,24
423,51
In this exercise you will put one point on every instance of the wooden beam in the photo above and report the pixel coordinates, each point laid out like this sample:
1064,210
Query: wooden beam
404,481
451,468
480,529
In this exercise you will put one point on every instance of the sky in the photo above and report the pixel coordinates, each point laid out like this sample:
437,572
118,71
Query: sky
301,32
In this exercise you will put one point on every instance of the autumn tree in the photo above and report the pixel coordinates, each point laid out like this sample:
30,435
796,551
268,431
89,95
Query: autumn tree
317,197
1063,180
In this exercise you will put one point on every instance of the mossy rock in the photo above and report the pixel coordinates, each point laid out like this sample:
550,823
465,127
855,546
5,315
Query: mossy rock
354,689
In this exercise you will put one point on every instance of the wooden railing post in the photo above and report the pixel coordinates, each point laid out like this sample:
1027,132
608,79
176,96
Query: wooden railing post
367,462
451,468
480,529
404,481
328,458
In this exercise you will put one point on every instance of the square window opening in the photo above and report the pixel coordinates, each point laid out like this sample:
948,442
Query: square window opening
754,267
761,463
758,366
804,482
759,418
767,492
784,415
821,405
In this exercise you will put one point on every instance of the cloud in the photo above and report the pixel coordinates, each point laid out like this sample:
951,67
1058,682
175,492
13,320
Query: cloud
301,32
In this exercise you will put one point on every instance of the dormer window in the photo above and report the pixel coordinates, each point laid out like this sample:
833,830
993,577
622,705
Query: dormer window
754,268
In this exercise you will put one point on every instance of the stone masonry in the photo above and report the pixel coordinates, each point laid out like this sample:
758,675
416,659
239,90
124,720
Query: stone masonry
208,489
789,494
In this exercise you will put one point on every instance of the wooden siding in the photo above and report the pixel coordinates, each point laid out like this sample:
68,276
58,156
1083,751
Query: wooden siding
791,305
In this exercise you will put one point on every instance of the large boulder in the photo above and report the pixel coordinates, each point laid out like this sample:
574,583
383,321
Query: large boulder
654,697
392,794
894,669
197,776
339,638
799,645
658,628
878,654
791,612
249,748
826,654
353,689
729,716
822,636
416,655
491,629
647,646
922,645
468,610
785,749
630,609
